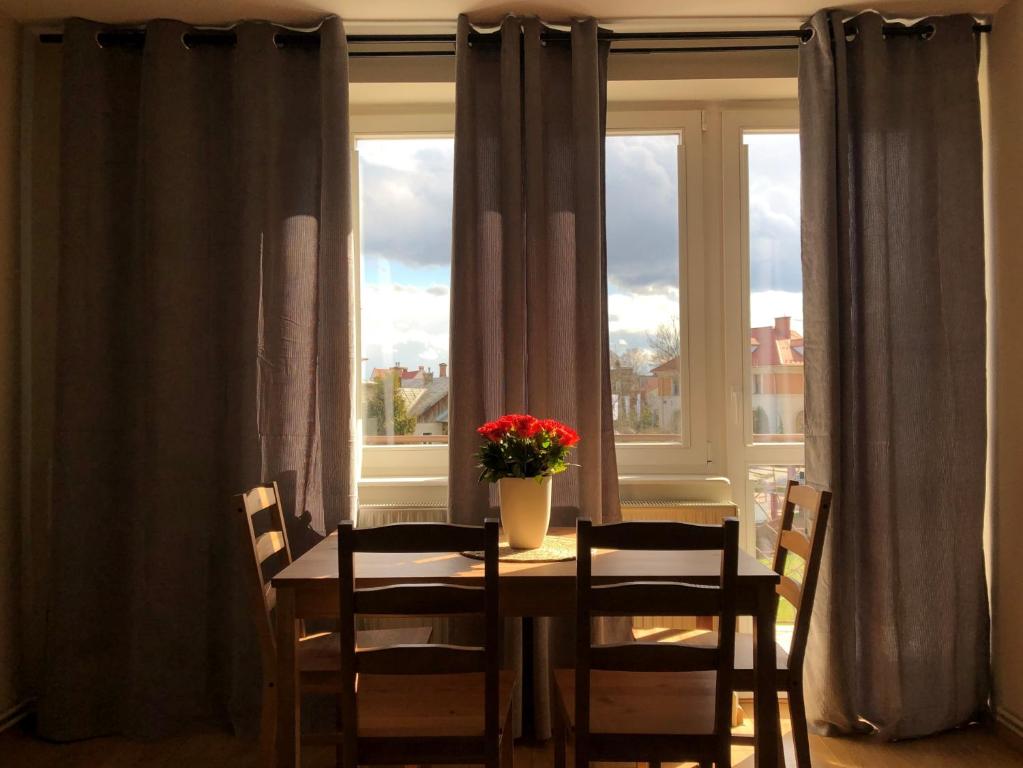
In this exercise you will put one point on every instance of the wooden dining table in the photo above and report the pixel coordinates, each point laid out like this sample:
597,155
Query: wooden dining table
308,589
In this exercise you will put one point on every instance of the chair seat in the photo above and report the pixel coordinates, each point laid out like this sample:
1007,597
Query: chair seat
743,649
319,655
409,706
662,703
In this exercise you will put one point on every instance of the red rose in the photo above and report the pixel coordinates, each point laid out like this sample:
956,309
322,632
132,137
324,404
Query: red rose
524,424
550,426
568,436
493,431
564,434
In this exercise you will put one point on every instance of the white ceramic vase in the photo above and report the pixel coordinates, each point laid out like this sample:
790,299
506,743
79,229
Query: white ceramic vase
525,510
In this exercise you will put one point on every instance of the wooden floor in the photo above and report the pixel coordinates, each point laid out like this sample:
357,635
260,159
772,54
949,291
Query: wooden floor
970,748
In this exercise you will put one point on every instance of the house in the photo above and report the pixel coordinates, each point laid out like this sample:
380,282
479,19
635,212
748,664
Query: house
419,395
777,381
666,398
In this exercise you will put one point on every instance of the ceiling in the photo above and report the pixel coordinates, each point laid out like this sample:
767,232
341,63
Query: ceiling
305,11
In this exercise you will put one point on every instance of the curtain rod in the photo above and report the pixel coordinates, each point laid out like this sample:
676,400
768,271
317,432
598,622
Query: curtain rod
135,37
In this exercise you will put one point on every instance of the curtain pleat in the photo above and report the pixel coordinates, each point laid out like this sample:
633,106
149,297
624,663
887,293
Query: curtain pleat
893,266
205,345
529,278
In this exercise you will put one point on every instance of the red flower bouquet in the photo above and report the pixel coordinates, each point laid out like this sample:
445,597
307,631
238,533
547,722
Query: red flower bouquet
519,445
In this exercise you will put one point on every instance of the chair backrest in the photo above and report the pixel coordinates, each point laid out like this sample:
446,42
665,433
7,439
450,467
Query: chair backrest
270,547
424,600
816,507
665,598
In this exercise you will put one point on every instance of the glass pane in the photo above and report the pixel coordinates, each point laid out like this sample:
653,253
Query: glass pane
776,288
643,285
767,491
405,188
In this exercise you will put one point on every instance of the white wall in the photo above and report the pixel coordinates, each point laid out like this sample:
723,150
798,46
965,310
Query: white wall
1006,193
10,43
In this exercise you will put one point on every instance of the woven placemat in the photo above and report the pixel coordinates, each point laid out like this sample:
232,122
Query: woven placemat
554,549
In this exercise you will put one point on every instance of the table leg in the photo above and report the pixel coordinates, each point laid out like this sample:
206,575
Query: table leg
526,681
767,728
288,718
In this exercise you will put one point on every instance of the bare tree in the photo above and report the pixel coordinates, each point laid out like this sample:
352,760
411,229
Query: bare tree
665,342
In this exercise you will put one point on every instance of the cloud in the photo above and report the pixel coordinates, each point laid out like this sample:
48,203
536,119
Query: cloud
406,217
631,313
642,212
774,218
406,199
634,317
404,324
765,306
405,192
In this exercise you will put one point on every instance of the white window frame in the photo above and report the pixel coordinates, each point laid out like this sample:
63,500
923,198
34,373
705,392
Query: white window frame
689,452
741,451
399,464
714,408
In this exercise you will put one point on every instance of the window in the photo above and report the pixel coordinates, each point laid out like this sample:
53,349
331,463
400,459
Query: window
405,191
775,286
765,343
767,485
704,296
642,183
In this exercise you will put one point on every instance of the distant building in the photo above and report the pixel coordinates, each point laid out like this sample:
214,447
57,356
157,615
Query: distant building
777,368
409,379
646,401
425,396
666,398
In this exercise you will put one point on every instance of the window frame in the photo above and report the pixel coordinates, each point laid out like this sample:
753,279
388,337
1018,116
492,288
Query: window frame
691,451
399,463
742,453
714,419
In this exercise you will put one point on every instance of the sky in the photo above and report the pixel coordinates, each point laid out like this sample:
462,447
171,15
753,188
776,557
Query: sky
776,275
405,229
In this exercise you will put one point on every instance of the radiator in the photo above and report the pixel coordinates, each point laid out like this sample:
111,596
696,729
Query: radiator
374,515
705,512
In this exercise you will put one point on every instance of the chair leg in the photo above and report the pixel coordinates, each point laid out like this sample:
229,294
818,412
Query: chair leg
508,742
797,714
268,726
559,731
582,754
339,747
559,734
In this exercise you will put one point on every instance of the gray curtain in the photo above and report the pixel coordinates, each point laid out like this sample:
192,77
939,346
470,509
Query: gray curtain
893,264
529,277
205,345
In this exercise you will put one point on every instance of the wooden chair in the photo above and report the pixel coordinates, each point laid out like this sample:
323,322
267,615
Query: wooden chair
319,658
650,701
816,507
433,704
